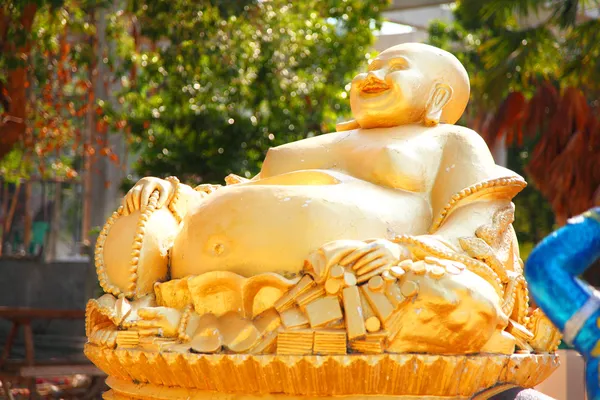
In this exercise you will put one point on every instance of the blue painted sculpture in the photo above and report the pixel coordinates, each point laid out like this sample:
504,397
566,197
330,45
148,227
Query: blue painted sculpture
573,306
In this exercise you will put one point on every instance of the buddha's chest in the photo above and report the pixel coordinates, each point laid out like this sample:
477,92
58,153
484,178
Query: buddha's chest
408,162
401,159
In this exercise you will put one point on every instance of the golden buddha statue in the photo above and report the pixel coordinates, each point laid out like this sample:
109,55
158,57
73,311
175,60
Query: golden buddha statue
386,246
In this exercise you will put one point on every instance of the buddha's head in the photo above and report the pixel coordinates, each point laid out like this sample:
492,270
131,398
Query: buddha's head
410,83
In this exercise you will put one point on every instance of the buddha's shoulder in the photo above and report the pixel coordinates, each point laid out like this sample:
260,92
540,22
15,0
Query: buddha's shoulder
459,135
314,141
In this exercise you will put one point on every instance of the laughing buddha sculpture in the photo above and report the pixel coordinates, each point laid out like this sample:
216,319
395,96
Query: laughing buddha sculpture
385,248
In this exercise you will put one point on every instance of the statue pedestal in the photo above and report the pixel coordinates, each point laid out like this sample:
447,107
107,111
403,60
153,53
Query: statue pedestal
140,374
123,390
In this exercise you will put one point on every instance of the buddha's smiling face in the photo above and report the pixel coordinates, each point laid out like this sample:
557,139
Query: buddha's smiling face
393,92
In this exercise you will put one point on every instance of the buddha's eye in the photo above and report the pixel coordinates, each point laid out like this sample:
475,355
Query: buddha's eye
398,67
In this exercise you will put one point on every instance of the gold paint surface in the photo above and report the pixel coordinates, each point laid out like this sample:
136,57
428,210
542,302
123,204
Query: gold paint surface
348,253
388,374
355,322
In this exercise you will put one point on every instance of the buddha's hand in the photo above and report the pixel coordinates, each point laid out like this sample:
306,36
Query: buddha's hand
138,196
158,321
374,255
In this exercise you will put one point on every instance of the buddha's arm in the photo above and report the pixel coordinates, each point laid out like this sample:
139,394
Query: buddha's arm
479,219
471,202
312,153
470,190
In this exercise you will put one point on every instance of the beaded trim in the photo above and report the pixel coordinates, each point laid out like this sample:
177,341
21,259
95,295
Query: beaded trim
185,317
517,182
93,307
515,285
472,265
176,196
105,283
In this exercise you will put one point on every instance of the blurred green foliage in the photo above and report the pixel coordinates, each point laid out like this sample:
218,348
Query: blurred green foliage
214,84
513,46
56,52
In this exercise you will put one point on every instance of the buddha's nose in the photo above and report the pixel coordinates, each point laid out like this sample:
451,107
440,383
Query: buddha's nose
376,76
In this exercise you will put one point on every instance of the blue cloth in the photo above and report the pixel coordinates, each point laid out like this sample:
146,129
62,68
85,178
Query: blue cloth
552,272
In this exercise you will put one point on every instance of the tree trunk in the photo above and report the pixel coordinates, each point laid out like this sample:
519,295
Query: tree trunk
90,133
27,219
11,212
50,250
14,95
107,174
4,212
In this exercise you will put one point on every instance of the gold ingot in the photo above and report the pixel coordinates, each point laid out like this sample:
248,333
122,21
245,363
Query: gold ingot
365,306
371,343
156,344
437,272
333,286
266,345
295,342
288,299
394,294
397,272
367,347
127,338
267,322
418,268
206,344
310,296
373,324
369,275
324,311
380,304
329,342
294,318
376,283
387,277
409,288
355,323
392,325
337,271
349,279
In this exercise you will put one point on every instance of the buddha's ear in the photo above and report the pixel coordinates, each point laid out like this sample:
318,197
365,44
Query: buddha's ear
440,97
346,125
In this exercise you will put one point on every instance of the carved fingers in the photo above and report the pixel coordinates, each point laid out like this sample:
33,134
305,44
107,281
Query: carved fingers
374,255
138,196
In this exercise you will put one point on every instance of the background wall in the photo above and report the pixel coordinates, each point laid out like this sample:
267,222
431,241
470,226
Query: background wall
53,285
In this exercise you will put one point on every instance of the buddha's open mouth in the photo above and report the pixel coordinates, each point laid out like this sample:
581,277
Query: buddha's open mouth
372,87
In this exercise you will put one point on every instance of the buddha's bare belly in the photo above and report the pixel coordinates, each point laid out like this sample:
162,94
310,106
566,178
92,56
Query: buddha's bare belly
273,224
